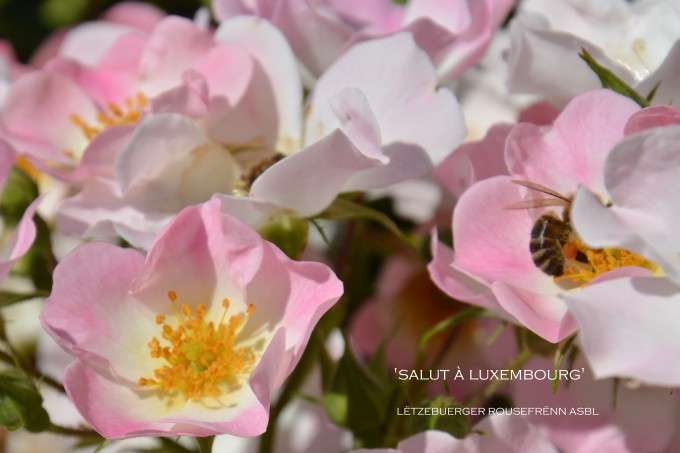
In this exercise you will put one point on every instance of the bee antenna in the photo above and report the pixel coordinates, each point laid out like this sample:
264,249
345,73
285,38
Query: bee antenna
540,188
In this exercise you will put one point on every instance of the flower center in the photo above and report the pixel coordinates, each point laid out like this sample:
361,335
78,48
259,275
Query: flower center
583,264
113,115
201,358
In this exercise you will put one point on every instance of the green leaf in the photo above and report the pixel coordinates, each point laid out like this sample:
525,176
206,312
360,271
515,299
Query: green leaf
611,81
342,208
11,298
366,399
58,13
289,233
650,96
448,323
456,425
21,403
335,405
20,190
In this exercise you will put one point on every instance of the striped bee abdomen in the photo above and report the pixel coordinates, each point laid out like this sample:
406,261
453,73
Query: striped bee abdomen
548,236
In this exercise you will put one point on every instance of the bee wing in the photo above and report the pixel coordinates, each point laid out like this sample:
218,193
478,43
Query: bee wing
540,188
537,203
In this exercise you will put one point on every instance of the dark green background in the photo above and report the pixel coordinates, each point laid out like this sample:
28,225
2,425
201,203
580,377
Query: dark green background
25,23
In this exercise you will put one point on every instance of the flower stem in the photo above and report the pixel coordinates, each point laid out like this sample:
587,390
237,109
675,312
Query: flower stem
76,432
31,371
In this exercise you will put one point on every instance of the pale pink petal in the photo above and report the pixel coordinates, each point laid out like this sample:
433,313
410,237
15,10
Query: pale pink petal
100,211
316,38
656,116
665,76
37,115
533,43
140,16
492,241
600,226
574,149
320,172
227,69
89,304
210,245
273,55
116,409
643,418
175,44
455,283
104,86
189,99
509,433
358,122
468,48
545,315
474,161
249,210
89,42
48,49
225,9
296,295
158,141
641,176
627,328
399,83
21,240
453,15
541,113
430,442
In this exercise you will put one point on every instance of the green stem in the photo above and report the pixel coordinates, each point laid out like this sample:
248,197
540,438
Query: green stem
31,371
76,432
205,443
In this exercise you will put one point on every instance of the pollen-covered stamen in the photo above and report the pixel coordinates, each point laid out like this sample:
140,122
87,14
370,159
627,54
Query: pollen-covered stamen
201,358
113,115
584,264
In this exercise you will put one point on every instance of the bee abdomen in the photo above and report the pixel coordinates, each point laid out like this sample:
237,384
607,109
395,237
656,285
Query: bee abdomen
548,235
549,259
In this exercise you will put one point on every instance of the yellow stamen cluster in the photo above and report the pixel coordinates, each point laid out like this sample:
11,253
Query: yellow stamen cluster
599,262
201,359
113,115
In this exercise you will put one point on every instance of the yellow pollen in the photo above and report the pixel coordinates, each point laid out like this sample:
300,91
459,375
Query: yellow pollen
200,359
112,115
600,261
27,167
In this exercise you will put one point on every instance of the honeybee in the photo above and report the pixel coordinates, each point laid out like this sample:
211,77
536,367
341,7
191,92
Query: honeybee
551,234
249,178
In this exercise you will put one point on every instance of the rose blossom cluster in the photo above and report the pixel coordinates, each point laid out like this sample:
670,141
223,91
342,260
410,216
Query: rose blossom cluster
232,228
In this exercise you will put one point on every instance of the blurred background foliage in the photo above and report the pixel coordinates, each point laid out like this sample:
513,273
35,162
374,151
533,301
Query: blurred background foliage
26,23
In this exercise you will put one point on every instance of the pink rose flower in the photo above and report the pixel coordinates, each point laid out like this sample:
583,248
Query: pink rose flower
247,148
491,264
454,33
627,325
192,339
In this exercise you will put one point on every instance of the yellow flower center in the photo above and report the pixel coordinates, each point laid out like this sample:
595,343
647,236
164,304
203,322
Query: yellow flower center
201,358
113,115
584,264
